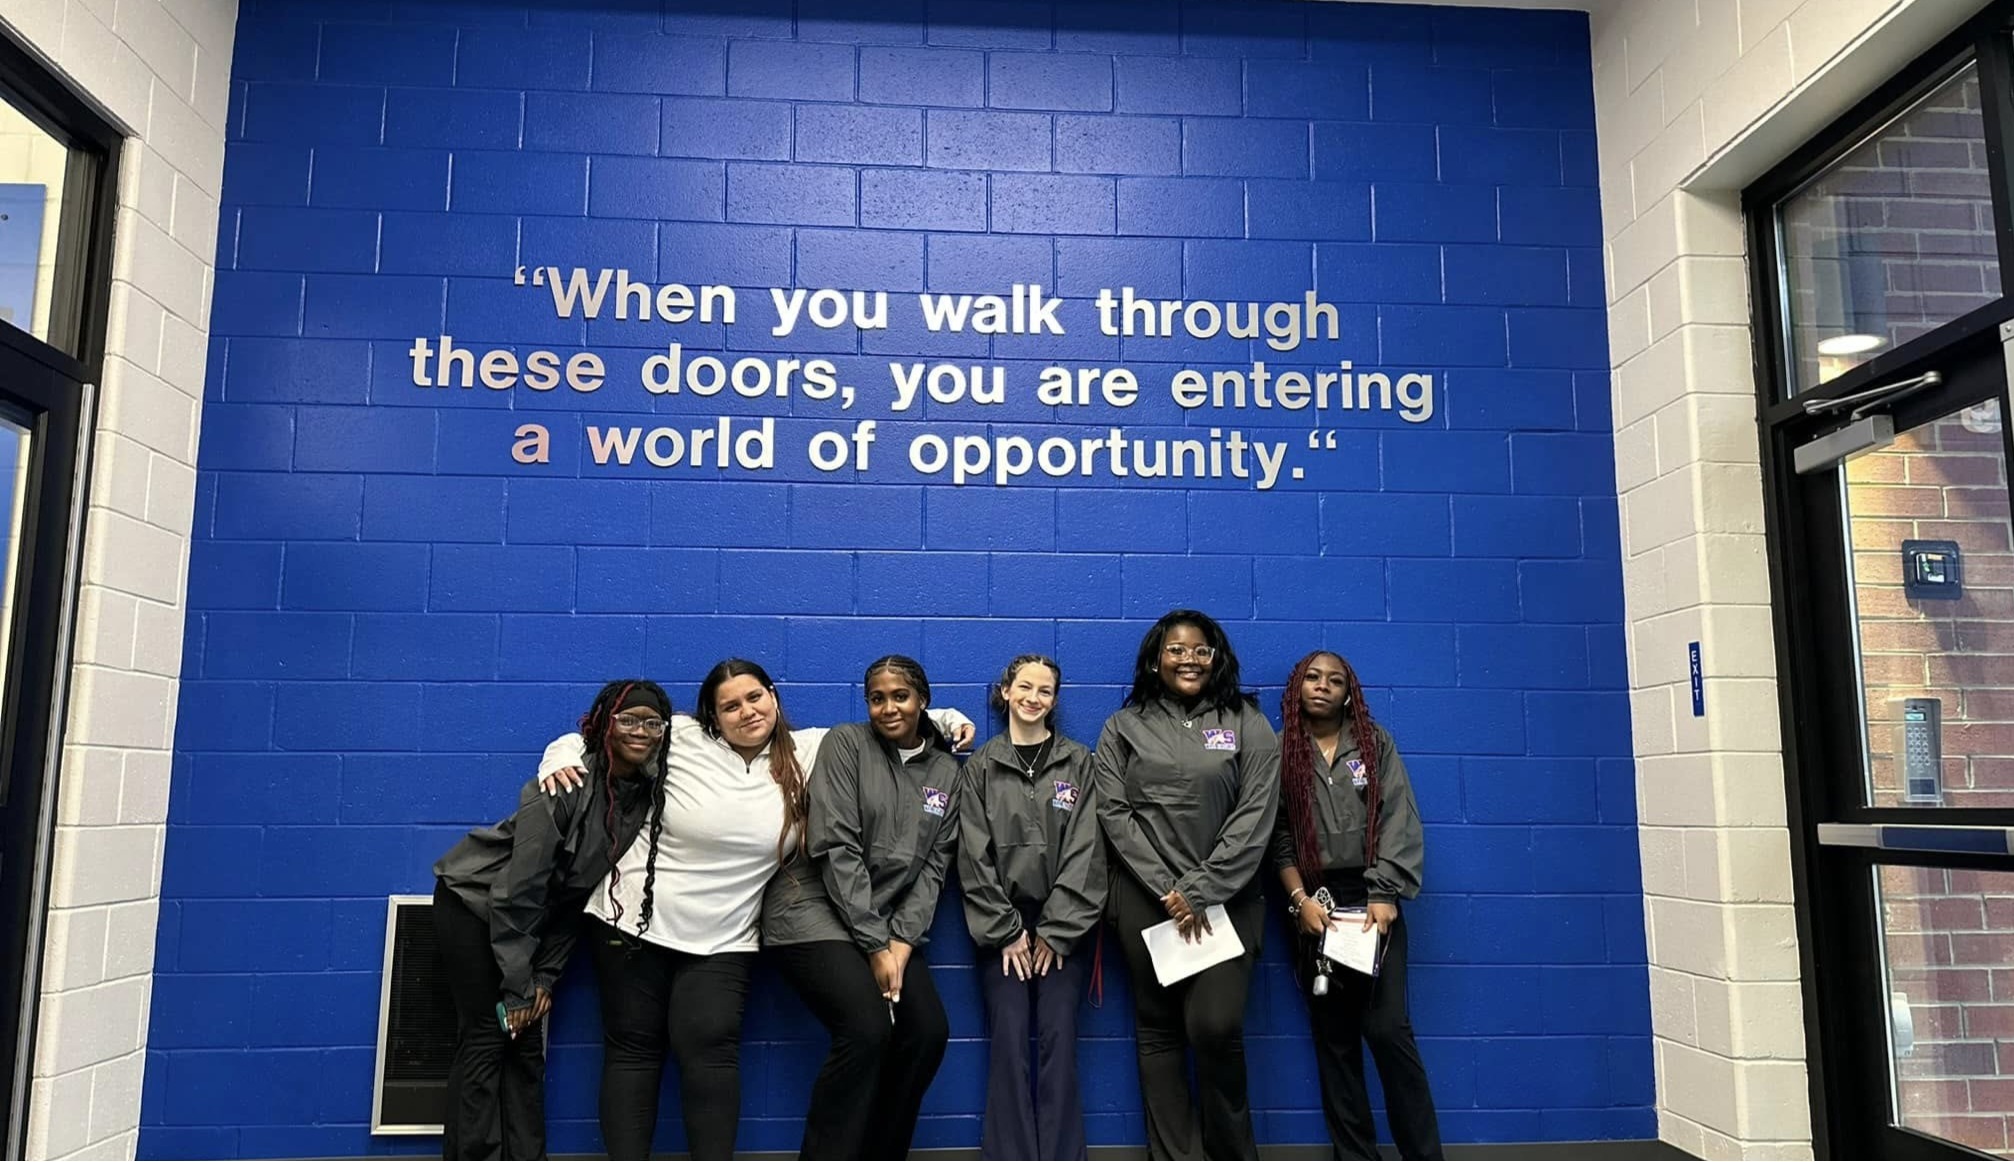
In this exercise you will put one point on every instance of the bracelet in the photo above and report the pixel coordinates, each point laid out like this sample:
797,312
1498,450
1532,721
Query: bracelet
1296,898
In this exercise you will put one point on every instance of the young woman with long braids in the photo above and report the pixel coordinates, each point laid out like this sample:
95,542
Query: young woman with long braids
1031,859
848,926
678,935
1187,777
1350,824
507,900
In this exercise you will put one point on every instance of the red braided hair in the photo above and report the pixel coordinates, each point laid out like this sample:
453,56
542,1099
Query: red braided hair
1297,778
596,718
1297,767
1366,734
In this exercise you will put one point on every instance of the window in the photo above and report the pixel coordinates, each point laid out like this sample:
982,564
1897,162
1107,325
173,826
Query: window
1892,240
32,168
57,194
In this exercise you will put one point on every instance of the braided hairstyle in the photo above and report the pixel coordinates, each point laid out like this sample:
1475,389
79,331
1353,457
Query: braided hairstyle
596,732
911,671
783,765
1297,766
998,695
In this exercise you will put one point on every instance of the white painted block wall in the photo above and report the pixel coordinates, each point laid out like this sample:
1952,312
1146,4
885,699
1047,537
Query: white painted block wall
1694,99
160,69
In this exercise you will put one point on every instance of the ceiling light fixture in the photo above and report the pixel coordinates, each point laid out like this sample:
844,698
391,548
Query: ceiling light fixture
1850,344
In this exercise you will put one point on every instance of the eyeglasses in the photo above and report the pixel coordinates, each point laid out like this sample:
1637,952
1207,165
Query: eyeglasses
649,726
1181,652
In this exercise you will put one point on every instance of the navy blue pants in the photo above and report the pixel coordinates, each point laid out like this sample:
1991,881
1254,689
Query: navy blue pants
1044,1119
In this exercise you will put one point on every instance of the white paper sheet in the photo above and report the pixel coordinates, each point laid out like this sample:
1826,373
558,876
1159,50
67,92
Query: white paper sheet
1178,959
1349,945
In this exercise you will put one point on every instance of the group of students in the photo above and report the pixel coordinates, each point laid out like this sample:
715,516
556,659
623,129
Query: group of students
678,847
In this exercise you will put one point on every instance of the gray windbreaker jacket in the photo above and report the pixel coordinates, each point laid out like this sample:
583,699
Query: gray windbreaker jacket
1188,798
1339,821
876,846
1030,843
532,873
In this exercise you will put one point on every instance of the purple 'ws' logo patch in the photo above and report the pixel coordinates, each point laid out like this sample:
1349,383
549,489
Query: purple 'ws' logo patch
1220,739
936,802
1066,796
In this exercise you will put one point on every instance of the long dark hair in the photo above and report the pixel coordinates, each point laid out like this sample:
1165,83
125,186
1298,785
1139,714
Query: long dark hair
596,726
1220,689
1297,766
911,671
783,765
997,697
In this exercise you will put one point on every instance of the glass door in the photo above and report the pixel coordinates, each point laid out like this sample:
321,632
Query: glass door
58,189
43,405
1917,771
1898,584
1876,258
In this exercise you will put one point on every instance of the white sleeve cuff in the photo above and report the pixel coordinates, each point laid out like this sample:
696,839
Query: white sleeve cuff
568,750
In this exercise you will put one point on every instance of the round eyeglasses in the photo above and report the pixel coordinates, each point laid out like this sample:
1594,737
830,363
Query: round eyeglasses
649,726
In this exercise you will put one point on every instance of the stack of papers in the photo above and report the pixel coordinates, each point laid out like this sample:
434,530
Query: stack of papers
1178,959
1349,945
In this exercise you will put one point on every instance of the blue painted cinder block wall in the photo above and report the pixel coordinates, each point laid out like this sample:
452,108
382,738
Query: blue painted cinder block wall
389,617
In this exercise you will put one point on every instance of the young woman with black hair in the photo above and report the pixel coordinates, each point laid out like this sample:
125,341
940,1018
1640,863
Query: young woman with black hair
1187,777
676,938
847,926
507,900
1031,860
1351,826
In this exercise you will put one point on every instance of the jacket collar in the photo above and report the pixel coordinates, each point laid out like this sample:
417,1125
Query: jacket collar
999,750
1174,709
895,756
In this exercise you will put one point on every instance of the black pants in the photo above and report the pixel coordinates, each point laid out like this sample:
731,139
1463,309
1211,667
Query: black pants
654,998
496,1086
1206,1013
1357,1010
1047,1119
870,1092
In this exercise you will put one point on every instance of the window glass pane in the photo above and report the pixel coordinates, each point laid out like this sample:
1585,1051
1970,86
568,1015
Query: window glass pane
1933,600
1894,240
32,167
1945,936
13,494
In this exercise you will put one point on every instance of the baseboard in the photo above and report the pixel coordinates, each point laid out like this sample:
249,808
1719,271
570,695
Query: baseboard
1624,1151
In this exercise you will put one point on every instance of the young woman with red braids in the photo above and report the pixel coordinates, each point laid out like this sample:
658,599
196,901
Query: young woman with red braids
1349,825
507,904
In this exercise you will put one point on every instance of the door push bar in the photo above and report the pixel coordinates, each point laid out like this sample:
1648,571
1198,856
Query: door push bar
1933,838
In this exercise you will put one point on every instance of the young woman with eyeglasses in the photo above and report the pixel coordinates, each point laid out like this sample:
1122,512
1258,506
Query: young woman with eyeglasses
1187,777
1350,830
507,900
676,938
1031,860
